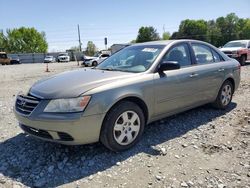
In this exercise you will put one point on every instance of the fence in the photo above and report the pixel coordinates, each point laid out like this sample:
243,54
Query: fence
39,57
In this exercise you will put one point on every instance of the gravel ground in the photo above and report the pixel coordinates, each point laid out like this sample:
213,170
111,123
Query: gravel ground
203,147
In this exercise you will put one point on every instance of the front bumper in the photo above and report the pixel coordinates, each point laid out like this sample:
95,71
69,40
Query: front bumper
63,60
74,131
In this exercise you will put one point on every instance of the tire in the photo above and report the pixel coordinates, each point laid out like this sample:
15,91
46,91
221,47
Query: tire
242,60
224,96
118,134
94,64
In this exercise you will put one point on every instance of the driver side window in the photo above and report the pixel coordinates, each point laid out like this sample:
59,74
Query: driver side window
180,54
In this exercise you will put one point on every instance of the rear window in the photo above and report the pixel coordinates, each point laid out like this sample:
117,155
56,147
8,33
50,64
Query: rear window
3,56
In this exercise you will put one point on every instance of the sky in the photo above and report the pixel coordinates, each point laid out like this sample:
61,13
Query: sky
117,20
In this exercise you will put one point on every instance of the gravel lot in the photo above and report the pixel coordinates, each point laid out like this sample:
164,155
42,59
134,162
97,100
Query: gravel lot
203,147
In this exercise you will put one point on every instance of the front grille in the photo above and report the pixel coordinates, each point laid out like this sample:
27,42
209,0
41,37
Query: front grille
36,132
227,52
26,104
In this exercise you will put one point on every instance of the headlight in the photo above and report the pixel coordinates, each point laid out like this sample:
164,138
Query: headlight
68,105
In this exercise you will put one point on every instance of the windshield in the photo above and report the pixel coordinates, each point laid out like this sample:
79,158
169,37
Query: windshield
63,55
236,44
132,59
48,57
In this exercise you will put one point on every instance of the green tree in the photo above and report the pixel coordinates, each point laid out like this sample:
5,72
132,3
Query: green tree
147,34
213,33
91,48
25,40
75,48
245,34
193,29
166,36
229,27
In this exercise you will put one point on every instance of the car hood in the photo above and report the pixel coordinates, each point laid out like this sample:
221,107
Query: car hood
74,83
231,49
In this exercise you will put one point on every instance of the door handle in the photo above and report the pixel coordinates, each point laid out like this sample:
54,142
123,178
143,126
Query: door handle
221,70
193,75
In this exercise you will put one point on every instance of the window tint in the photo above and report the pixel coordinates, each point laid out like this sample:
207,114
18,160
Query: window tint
202,54
217,57
4,56
105,55
180,54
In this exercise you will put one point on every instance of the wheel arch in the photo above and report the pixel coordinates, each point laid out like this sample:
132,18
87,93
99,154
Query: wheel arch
135,99
230,79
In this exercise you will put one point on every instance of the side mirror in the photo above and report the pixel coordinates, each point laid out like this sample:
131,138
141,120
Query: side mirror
168,65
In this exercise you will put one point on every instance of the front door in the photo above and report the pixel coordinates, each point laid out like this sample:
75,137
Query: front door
176,89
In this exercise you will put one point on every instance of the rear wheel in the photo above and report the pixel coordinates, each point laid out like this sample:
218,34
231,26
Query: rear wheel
243,60
123,126
224,96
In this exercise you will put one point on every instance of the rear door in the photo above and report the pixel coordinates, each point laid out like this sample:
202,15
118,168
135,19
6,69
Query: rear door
210,70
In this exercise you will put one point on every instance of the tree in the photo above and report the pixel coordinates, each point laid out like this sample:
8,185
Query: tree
75,48
25,40
91,48
229,28
147,34
166,36
245,34
193,29
213,33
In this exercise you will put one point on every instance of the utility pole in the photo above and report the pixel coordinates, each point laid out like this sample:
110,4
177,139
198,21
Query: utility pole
79,37
163,28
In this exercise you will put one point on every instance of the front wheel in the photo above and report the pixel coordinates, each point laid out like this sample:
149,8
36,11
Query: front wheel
224,96
94,63
123,126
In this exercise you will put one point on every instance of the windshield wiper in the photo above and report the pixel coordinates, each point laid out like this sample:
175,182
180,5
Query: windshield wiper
107,69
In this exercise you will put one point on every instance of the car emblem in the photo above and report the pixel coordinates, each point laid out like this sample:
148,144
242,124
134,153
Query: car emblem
22,103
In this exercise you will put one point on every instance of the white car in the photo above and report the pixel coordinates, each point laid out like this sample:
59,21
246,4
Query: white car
49,59
63,57
96,60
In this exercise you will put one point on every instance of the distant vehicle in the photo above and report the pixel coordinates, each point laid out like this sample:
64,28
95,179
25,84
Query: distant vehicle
15,60
49,59
117,47
5,60
238,49
95,60
63,57
140,84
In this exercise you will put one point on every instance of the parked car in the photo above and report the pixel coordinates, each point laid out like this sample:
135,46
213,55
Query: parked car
238,49
4,59
63,57
139,84
49,59
15,60
95,61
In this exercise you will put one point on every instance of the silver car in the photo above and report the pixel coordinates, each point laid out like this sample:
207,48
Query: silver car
114,101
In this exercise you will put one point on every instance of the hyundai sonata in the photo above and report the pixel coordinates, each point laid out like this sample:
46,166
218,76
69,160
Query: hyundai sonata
113,102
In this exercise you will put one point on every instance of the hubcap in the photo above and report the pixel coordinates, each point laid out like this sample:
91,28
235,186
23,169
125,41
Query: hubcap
226,95
127,127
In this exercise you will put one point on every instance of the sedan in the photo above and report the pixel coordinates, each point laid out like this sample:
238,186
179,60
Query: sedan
113,102
49,59
96,60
